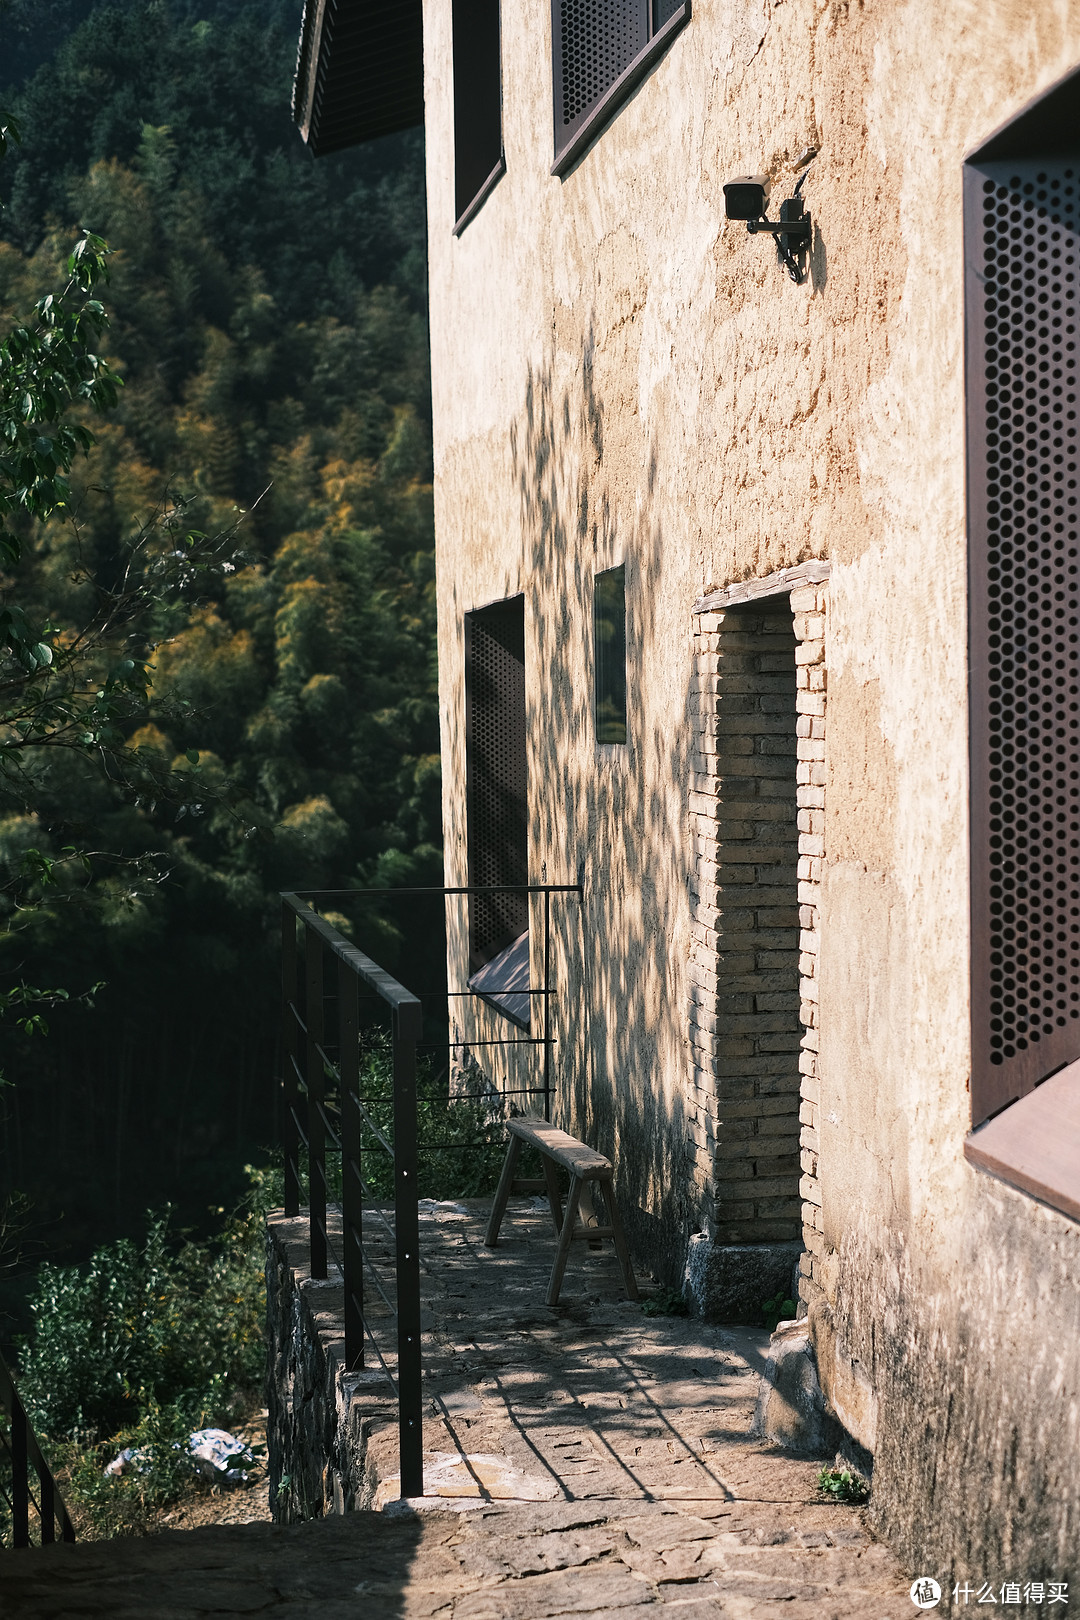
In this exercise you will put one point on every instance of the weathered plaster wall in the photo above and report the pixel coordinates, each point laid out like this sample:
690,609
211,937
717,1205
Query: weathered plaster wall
621,376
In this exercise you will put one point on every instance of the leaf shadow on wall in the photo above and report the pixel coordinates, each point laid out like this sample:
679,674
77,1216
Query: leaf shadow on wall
617,814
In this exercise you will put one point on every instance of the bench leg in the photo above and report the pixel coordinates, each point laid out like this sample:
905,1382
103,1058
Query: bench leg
566,1237
619,1239
551,1180
506,1181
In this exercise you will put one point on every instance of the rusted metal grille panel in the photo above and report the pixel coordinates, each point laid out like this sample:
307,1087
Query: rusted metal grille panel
594,41
497,775
1023,260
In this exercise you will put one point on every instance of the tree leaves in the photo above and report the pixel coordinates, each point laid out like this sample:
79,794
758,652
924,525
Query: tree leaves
220,718
46,368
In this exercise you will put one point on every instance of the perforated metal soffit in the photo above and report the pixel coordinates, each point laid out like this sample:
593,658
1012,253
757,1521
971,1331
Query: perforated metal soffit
1026,620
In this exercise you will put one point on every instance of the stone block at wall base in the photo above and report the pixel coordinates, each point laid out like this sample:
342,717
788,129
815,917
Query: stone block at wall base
790,1407
728,1282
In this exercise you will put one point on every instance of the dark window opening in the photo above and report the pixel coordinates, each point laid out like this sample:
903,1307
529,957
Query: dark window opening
609,655
602,50
497,777
478,150
1022,231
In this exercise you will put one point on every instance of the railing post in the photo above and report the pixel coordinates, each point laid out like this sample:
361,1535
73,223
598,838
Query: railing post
547,1004
313,1074
47,1498
352,1192
407,1030
290,1090
20,1482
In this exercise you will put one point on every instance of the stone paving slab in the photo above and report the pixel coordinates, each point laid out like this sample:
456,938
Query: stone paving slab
629,1434
538,1561
590,1398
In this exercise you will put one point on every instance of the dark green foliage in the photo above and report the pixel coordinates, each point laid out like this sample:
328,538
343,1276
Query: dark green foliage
139,1346
462,1144
266,317
840,1485
47,367
164,1325
778,1309
217,75
666,1302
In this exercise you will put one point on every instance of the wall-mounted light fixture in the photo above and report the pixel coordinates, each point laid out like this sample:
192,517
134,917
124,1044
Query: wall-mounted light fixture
748,198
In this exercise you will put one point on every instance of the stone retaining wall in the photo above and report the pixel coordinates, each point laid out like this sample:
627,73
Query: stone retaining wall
320,1417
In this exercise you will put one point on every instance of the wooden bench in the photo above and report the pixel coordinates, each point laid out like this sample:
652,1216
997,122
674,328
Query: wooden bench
585,1166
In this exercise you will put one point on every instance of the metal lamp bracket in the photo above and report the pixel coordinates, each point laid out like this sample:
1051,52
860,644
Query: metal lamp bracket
792,232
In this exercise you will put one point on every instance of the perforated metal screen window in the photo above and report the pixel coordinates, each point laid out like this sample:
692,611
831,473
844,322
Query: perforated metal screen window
601,51
596,40
497,775
1023,260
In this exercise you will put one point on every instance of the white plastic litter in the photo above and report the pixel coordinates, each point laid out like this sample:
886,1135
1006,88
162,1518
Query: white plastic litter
211,1450
128,1458
214,1453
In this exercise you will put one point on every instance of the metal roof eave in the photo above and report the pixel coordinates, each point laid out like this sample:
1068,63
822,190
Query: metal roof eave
359,71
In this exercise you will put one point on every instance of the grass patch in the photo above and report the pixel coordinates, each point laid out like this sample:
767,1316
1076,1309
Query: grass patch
666,1302
840,1485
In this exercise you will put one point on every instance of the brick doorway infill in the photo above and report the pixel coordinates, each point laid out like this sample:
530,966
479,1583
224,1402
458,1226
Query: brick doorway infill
757,799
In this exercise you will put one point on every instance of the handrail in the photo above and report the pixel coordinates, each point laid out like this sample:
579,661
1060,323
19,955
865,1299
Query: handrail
24,1451
404,1003
307,1065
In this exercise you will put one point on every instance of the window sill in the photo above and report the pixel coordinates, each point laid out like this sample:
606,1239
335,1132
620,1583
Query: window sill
620,91
1034,1144
468,214
504,982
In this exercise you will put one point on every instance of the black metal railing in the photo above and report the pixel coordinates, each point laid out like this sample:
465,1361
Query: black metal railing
21,1455
324,1111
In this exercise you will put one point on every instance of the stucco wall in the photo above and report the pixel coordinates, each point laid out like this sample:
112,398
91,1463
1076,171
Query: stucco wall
621,376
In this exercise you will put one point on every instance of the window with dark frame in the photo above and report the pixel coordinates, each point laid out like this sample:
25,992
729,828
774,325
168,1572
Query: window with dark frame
609,655
602,50
478,148
1022,235
1022,248
496,777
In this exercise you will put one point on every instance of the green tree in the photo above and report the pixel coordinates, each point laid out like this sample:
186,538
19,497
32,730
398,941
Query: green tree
270,334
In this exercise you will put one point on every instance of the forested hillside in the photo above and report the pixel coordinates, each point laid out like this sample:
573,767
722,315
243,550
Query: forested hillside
268,321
